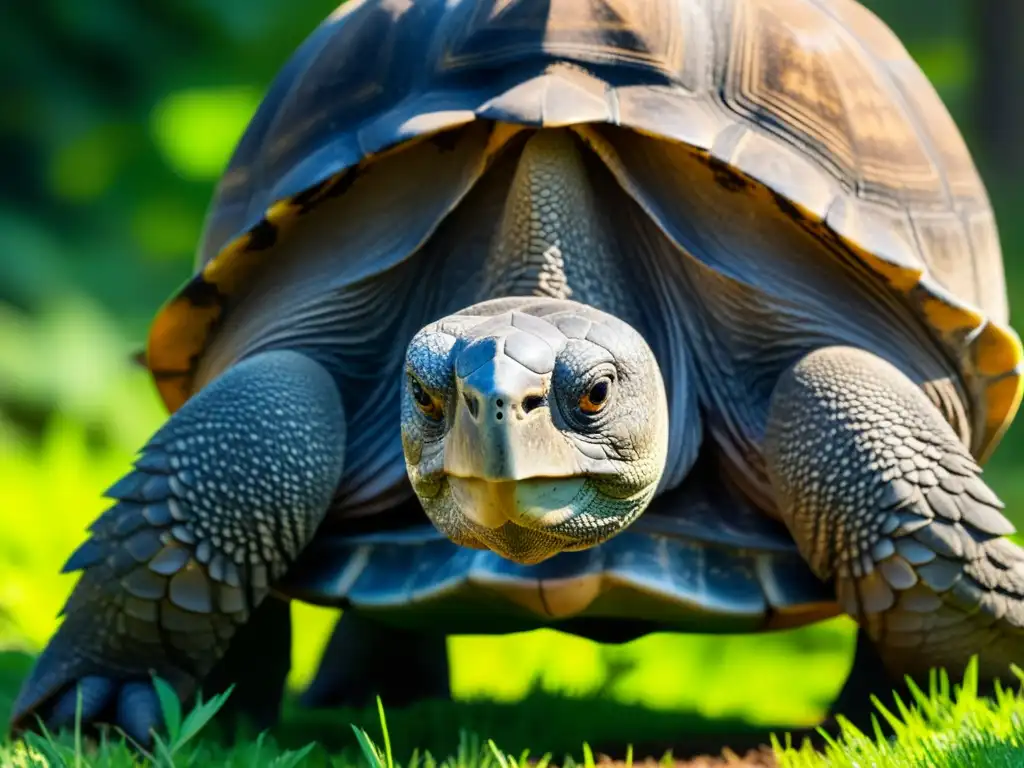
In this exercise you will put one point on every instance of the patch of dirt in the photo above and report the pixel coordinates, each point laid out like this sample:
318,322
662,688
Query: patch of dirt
762,757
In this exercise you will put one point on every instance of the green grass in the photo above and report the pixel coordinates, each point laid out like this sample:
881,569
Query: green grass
941,727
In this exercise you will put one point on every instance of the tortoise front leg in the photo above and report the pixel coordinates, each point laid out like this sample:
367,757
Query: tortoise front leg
223,498
882,497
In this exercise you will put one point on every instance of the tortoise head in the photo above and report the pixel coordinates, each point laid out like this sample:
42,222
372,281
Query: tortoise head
533,426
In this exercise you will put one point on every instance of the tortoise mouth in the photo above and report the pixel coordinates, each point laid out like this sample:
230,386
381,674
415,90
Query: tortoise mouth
533,519
544,503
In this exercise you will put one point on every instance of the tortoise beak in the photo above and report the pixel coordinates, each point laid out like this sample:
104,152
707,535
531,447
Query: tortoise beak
502,431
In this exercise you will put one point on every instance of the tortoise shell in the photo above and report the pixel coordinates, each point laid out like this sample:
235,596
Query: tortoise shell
814,102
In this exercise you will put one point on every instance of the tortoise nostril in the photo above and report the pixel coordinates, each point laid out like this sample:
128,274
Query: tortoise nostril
532,403
500,403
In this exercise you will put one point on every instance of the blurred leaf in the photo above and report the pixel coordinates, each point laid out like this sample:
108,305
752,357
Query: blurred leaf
73,359
84,168
166,227
197,129
32,263
240,19
947,62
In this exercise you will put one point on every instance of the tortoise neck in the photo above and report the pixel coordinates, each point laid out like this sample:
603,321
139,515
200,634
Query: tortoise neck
555,240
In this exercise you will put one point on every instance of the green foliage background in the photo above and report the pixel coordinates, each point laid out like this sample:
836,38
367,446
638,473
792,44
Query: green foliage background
116,119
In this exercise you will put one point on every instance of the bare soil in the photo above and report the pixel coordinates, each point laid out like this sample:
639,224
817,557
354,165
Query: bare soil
746,749
762,757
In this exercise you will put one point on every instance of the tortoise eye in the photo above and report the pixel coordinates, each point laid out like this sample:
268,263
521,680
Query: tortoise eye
427,404
597,396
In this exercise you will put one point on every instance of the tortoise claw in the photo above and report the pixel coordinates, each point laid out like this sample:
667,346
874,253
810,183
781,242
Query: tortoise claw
131,705
97,693
138,711
64,675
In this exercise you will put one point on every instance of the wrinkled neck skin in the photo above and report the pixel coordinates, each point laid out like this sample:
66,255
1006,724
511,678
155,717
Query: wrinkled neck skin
554,240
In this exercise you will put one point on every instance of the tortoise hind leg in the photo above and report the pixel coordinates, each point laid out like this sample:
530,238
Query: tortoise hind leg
882,497
868,677
364,659
257,664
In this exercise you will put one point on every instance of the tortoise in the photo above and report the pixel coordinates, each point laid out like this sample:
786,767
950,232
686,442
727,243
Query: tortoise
612,317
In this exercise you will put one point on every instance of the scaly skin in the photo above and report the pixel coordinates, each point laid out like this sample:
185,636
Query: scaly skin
553,241
883,497
222,500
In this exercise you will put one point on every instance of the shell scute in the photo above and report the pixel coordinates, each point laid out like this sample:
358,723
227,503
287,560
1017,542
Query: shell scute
406,576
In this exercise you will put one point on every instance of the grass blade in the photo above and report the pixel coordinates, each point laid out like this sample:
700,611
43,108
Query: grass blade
78,727
199,718
45,746
291,758
384,731
369,749
170,708
163,750
499,756
588,756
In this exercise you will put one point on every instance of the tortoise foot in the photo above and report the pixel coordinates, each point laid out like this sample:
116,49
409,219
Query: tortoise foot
868,677
364,659
263,644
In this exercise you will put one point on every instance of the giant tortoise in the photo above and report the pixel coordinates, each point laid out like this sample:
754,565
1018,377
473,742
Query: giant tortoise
612,316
